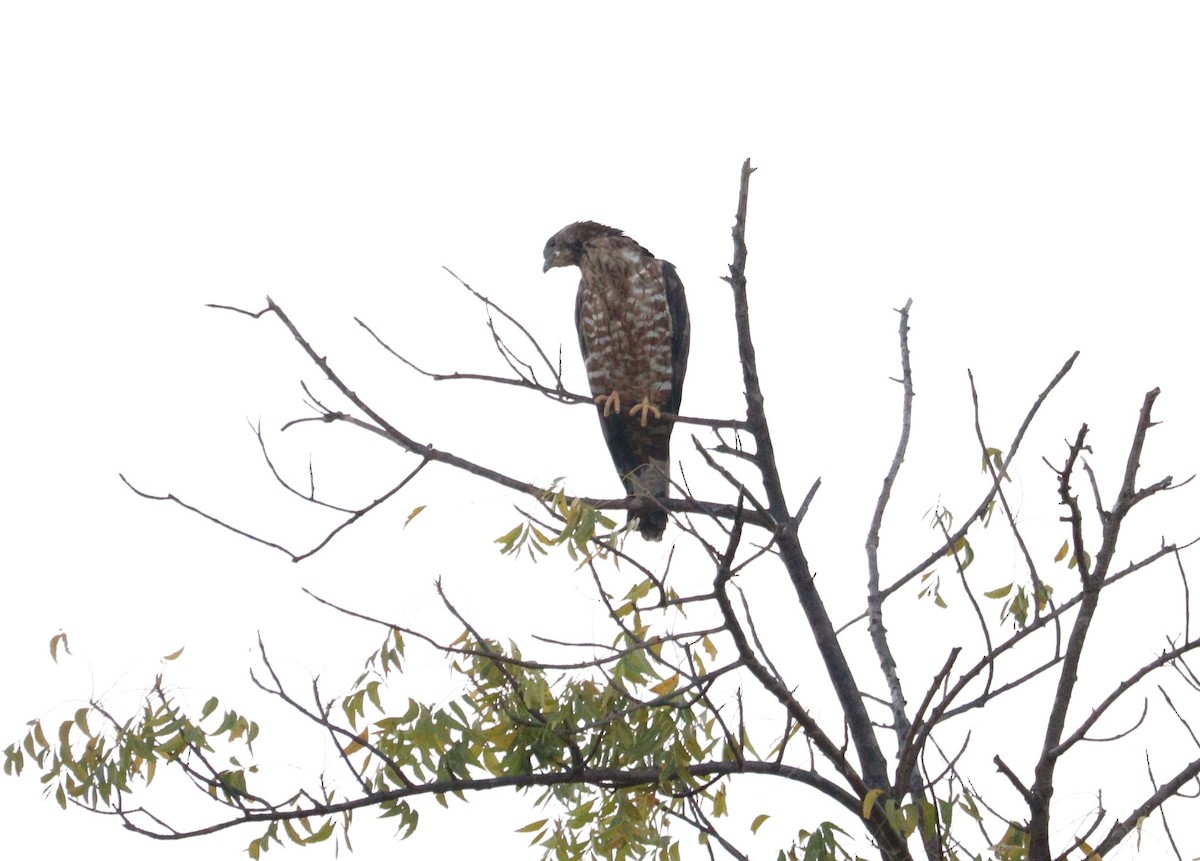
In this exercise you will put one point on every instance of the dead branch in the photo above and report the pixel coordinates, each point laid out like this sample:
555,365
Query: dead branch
1153,802
556,393
1092,576
986,502
1126,684
879,640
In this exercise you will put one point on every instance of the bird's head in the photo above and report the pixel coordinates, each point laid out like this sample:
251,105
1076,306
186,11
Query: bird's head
566,247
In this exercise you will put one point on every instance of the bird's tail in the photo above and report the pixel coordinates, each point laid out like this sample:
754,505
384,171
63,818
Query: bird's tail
648,484
652,521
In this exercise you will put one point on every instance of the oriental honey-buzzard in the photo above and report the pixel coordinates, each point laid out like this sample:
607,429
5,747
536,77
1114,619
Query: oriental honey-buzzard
633,327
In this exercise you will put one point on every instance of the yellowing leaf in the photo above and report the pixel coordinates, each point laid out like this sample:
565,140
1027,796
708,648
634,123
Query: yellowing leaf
666,686
357,743
174,654
709,648
1062,553
758,821
414,513
999,593
869,802
55,641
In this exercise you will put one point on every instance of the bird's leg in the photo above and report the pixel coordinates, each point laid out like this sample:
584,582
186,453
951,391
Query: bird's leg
611,403
645,408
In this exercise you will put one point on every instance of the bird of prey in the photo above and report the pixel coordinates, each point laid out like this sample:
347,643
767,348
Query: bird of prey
633,327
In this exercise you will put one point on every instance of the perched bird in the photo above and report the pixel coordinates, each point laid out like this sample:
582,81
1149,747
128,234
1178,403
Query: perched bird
633,327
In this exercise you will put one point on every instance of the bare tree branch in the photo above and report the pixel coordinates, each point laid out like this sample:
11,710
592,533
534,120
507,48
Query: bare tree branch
986,502
879,640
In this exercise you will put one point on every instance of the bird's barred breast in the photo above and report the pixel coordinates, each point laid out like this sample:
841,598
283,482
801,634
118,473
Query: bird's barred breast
626,326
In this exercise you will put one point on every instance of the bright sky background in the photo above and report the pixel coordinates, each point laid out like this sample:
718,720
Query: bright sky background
1026,172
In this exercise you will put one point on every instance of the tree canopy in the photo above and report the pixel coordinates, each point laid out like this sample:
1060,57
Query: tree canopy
729,658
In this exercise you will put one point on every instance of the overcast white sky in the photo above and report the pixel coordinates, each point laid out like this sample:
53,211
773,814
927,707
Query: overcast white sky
1027,173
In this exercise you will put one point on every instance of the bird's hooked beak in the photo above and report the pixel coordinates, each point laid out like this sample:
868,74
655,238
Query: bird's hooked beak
555,255
552,257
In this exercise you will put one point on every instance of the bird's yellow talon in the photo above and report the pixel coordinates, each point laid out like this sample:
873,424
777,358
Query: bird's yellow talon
646,409
611,403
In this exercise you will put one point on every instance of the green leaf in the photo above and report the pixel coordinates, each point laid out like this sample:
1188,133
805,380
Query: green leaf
229,722
414,709
969,807
323,834
719,807
173,747
532,826
641,590
946,812
209,708
758,821
409,818
509,538
999,593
